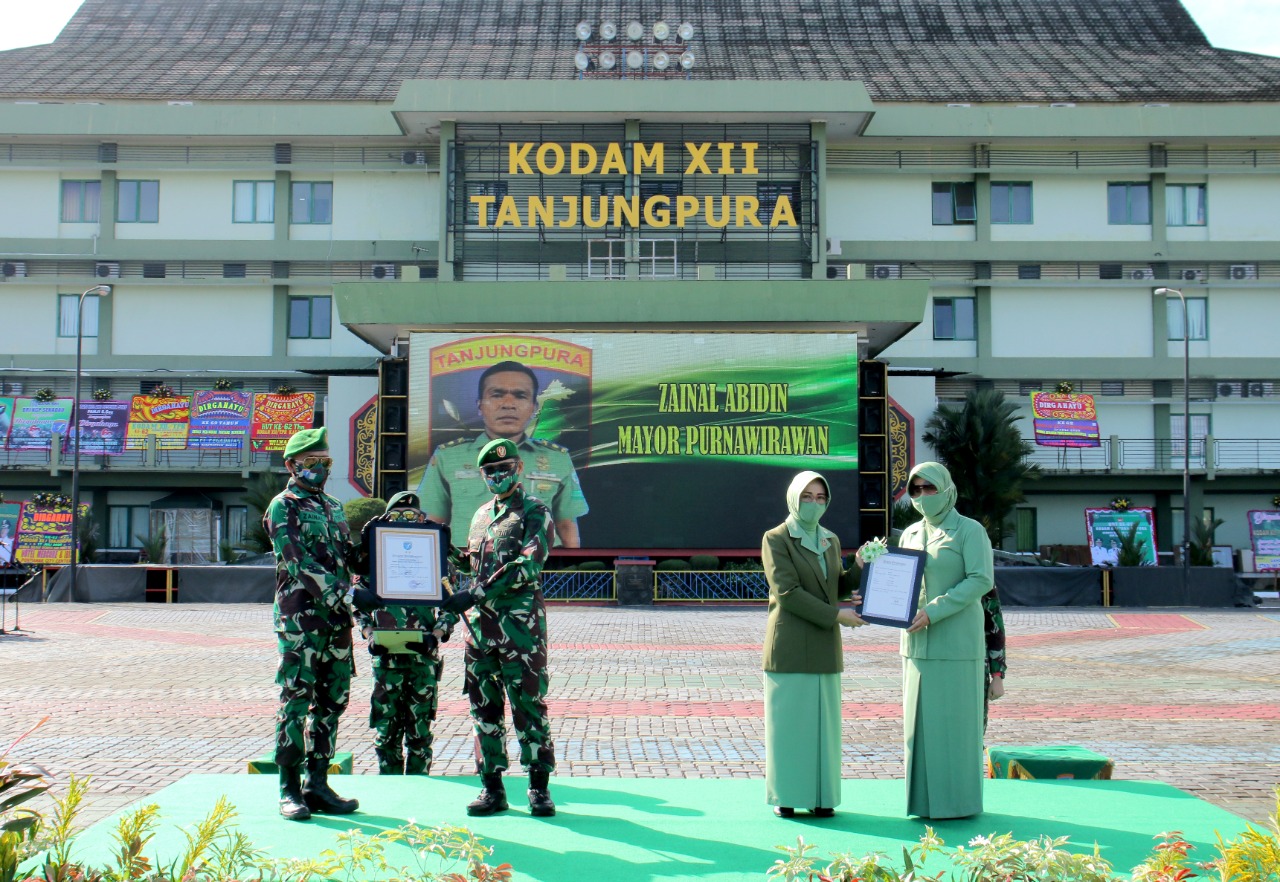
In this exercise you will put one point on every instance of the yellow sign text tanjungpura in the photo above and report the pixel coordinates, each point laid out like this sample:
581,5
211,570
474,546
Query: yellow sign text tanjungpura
660,210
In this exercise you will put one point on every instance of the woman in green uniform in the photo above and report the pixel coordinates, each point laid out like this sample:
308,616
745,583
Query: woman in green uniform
944,653
803,656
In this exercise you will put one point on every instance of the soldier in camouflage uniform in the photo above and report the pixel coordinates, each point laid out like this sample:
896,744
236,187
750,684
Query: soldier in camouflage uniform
311,541
993,620
507,650
404,700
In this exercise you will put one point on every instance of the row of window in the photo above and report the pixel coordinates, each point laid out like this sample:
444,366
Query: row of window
128,526
310,317
955,318
252,202
1127,203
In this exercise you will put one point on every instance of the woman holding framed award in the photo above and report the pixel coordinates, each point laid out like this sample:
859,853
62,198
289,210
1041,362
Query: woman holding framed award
944,652
803,655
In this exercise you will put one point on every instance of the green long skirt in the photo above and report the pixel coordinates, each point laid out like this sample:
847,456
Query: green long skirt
802,740
942,723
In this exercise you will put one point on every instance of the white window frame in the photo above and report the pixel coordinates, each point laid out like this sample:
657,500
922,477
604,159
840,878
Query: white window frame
651,259
606,259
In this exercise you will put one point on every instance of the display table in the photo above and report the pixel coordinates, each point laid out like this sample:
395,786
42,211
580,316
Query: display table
1060,761
266,764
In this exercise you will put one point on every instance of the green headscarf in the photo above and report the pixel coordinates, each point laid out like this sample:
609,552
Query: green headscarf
934,508
803,523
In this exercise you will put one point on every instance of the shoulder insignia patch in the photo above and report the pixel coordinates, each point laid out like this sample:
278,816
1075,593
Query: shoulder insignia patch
542,442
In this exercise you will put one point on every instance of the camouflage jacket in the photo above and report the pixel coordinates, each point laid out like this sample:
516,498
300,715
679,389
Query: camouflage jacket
994,622
312,542
509,538
398,616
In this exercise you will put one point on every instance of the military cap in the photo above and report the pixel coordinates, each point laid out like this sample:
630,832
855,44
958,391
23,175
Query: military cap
496,451
306,440
407,498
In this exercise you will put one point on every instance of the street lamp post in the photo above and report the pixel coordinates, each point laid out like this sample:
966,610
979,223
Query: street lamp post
99,291
1186,442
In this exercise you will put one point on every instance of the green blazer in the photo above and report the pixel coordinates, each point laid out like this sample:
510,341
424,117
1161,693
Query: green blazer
957,572
802,636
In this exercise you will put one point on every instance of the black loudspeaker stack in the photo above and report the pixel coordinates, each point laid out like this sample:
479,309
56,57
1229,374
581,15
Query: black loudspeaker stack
391,461
874,511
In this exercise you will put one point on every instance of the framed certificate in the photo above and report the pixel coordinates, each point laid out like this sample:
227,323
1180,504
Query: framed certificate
891,587
407,561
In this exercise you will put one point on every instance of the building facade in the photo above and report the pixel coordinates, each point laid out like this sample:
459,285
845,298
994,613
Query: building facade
279,193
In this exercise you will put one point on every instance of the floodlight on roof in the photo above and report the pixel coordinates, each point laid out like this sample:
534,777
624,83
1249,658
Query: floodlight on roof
581,60
607,60
661,30
687,60
661,60
608,31
583,30
685,32
635,59
635,31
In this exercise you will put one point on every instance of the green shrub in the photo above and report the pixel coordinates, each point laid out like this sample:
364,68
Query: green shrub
672,565
592,566
360,511
704,562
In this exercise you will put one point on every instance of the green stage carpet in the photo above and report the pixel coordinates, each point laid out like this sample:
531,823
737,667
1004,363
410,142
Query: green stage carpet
666,829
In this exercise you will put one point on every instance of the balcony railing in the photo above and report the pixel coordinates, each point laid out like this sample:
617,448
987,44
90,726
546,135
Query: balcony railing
1162,455
57,459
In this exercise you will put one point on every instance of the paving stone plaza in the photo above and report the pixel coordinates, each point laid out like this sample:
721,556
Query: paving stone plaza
140,695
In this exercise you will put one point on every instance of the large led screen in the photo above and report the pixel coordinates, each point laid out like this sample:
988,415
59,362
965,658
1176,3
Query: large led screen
638,441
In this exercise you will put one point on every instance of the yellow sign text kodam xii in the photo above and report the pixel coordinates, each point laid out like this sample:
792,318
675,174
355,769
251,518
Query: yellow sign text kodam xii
719,158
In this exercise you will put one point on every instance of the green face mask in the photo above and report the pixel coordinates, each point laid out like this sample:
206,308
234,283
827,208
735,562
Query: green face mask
810,513
930,506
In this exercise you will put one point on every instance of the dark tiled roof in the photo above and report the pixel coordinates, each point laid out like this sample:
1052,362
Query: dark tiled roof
903,50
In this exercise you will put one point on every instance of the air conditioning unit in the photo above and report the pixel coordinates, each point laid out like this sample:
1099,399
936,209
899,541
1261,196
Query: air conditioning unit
1258,388
413,157
886,271
384,271
1240,271
1226,390
105,270
1147,273
833,245
14,269
1191,275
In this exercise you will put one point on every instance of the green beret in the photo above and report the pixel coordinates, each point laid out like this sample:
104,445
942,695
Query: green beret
306,440
496,451
406,498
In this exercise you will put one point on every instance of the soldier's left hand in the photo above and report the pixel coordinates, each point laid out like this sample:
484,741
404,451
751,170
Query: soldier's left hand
366,599
459,601
426,646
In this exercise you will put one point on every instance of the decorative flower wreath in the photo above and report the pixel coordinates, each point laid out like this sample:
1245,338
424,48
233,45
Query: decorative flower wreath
1065,388
45,394
162,391
57,500
286,389
1120,503
222,384
101,394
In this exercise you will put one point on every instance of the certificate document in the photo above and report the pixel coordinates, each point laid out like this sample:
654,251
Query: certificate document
891,587
407,562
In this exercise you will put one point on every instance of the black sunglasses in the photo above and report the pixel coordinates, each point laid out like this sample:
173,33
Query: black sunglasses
914,490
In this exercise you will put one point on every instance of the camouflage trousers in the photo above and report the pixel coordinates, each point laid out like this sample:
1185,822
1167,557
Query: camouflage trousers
401,709
315,684
506,655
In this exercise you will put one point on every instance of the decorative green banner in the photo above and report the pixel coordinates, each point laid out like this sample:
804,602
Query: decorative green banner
1106,525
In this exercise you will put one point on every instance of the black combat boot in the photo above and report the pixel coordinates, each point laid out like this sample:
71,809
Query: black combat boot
389,763
492,799
292,805
319,795
540,804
